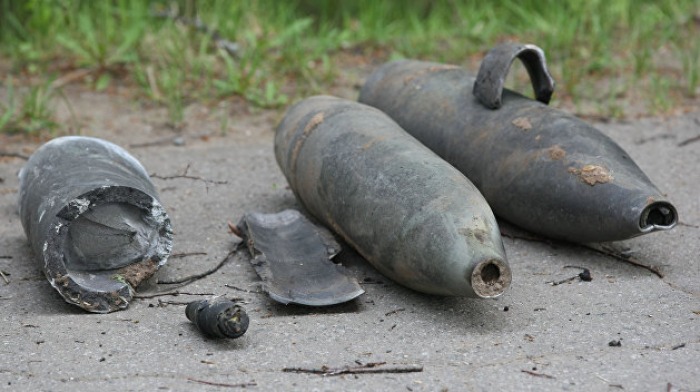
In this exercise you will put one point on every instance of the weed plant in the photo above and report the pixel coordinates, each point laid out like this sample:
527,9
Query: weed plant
293,48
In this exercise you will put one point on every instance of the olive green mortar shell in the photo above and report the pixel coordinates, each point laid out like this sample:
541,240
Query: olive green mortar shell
538,167
413,216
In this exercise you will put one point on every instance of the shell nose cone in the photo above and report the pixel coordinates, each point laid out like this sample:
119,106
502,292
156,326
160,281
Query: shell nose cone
491,278
658,216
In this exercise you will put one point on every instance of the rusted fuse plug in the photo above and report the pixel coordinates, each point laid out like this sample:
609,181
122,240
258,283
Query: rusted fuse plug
218,317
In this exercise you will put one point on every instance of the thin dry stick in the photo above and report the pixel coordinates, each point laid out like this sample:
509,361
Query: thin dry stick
4,277
150,75
158,142
14,155
629,260
173,293
71,77
537,374
178,255
656,137
235,230
688,141
218,384
188,177
163,304
395,311
376,367
5,257
192,278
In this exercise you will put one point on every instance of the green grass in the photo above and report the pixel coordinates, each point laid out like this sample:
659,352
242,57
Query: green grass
30,113
293,48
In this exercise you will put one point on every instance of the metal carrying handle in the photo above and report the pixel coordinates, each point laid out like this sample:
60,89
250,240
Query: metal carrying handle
488,87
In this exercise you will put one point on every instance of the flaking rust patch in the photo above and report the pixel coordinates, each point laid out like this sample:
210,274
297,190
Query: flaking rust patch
313,123
556,152
592,174
522,123
136,273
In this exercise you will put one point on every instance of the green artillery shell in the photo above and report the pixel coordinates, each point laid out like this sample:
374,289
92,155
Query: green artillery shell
218,317
94,221
538,167
417,219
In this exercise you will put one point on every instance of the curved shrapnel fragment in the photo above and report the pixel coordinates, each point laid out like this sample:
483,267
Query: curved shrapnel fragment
93,218
538,167
409,213
293,256
218,317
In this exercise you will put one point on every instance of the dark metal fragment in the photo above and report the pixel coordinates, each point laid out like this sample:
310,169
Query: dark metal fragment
538,167
488,86
218,317
292,257
414,217
94,221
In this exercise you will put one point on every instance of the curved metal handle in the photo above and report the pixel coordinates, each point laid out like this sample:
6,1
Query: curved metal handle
488,87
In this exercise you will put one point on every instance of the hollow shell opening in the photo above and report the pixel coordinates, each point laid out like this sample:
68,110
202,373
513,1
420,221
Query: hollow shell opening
491,278
658,216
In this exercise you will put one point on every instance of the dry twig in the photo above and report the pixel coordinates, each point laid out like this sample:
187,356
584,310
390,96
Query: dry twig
626,259
71,77
395,311
538,374
189,177
192,278
14,155
374,367
218,384
629,260
178,255
162,304
688,141
173,293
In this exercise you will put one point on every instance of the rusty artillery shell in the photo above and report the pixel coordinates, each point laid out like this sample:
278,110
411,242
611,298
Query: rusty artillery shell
94,221
538,167
413,216
218,317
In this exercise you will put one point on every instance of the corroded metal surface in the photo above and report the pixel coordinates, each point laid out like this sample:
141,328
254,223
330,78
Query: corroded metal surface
417,219
218,317
94,221
292,257
538,167
488,86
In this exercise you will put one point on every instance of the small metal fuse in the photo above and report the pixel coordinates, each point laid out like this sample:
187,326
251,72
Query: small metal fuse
218,317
